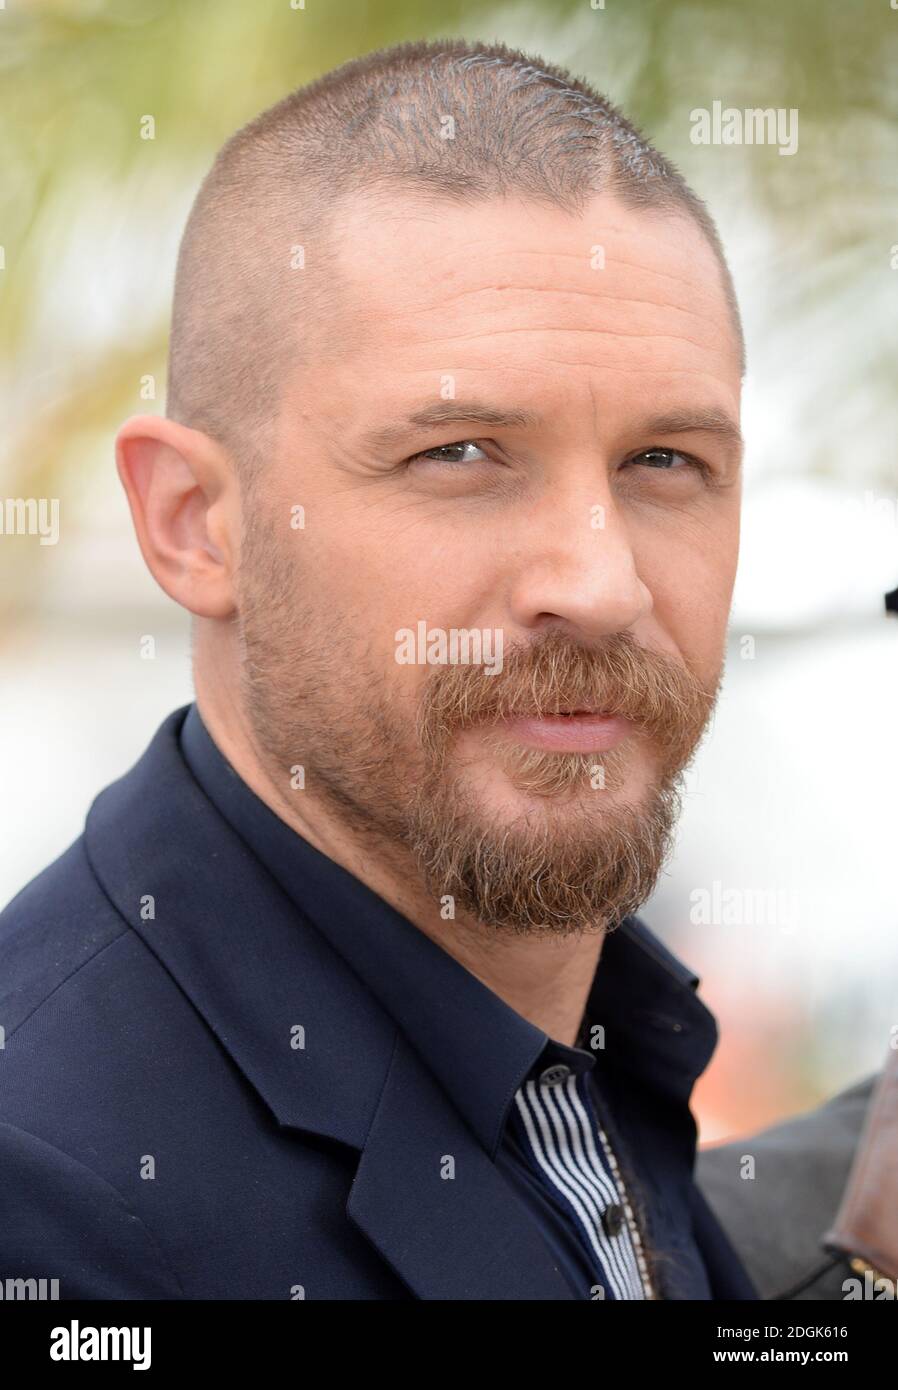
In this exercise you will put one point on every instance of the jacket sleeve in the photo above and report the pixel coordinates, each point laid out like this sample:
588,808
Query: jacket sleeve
59,1220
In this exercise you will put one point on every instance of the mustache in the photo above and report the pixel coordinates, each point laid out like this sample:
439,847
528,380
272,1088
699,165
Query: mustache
659,694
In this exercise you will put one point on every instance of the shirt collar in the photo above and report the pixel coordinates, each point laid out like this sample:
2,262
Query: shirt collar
643,1013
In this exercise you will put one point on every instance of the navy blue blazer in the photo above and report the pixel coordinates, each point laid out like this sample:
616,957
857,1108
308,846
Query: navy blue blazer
159,1136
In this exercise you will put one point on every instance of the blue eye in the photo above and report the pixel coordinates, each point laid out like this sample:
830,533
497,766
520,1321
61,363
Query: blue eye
448,449
663,458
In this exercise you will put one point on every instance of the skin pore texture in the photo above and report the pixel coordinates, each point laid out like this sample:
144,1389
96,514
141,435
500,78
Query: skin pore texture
592,518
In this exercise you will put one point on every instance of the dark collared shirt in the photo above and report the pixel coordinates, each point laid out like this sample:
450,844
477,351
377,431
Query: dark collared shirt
599,1143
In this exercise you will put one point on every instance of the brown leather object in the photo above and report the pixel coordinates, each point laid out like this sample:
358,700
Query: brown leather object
866,1226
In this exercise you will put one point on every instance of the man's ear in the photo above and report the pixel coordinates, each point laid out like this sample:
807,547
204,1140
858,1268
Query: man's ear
184,500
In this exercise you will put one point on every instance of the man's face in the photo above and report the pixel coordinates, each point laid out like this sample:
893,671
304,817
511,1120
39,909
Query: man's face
585,535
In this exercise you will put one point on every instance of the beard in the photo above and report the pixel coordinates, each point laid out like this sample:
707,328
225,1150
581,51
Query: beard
580,856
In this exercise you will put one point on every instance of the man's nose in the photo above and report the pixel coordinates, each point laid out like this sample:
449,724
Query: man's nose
577,568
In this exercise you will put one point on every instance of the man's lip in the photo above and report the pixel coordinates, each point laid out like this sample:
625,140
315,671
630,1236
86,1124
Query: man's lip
583,732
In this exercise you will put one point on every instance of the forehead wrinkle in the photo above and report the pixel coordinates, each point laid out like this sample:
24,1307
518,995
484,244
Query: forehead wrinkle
594,297
512,233
594,334
514,299
507,240
379,320
690,283
600,302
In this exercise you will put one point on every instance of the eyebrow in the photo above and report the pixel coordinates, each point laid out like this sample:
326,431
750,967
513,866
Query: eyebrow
706,420
448,413
709,420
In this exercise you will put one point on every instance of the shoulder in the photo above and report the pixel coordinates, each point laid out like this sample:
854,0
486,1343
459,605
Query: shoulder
777,1192
88,1012
51,931
65,956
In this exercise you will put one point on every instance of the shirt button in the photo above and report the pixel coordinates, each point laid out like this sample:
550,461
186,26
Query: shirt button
612,1220
553,1076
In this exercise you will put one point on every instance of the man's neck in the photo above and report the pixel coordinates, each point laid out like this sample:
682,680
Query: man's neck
543,978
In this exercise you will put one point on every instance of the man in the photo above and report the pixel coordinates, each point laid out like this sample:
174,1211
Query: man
341,994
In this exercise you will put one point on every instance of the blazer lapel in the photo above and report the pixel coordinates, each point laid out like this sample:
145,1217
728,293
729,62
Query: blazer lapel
441,1214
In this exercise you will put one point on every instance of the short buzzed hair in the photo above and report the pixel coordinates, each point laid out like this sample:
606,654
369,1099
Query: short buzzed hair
452,121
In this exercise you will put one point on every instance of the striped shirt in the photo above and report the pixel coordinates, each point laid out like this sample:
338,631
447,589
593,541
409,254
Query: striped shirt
553,1127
